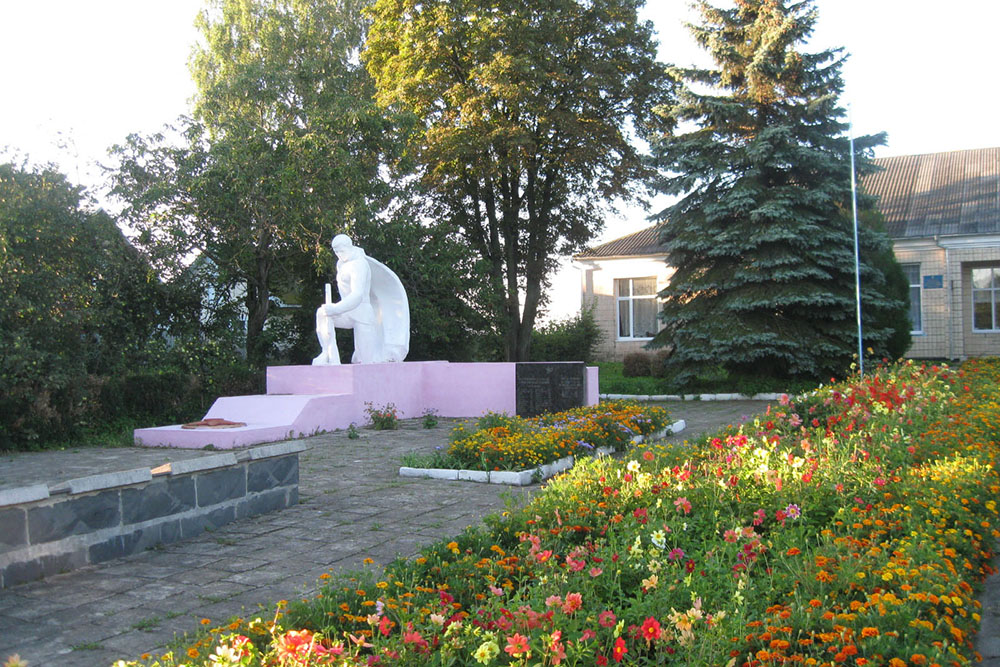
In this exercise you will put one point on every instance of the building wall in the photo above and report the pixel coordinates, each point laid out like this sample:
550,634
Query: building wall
947,311
975,343
938,327
598,289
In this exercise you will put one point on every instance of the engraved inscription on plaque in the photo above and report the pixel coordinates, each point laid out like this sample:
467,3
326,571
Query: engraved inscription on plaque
544,386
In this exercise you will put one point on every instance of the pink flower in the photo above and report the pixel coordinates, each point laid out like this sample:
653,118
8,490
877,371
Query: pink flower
553,601
730,536
573,602
683,505
676,553
606,619
595,571
587,635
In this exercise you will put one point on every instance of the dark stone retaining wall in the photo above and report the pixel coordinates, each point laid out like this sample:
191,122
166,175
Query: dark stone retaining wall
47,530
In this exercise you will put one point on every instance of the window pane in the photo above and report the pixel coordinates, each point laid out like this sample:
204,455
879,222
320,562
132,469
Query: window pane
982,310
915,318
622,286
912,272
996,277
645,317
982,278
624,322
643,286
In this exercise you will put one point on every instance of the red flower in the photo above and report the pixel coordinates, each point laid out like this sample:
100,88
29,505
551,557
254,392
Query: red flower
650,629
619,650
606,619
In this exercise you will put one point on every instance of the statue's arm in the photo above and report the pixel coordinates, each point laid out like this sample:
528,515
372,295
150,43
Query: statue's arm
360,283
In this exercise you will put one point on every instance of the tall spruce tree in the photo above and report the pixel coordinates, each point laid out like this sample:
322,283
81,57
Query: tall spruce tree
762,239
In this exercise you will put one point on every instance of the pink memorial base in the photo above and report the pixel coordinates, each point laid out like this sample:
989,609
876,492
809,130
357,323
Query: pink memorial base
305,400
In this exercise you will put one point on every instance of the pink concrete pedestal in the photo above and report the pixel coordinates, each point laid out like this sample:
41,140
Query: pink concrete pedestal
305,400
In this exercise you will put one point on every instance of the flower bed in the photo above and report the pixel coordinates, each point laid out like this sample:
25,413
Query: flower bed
498,442
852,527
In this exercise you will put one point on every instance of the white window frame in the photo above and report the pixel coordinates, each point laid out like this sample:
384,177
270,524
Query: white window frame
631,310
994,292
920,296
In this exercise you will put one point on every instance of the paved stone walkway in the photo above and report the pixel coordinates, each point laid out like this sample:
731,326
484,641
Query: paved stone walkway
353,506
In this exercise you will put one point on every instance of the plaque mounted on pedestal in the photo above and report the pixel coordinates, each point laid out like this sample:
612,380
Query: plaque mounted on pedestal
549,386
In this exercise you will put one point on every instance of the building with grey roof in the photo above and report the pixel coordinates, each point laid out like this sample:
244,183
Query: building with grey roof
942,212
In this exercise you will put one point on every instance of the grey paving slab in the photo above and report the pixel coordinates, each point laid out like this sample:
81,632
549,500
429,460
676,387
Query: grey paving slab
352,506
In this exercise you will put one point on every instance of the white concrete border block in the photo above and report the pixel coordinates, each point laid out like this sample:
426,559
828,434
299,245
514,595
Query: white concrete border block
23,494
513,477
433,473
475,475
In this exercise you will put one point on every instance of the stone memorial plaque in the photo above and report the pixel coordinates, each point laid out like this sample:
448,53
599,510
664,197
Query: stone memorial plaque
549,386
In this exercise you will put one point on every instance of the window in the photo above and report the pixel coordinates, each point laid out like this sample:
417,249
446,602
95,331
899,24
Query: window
985,288
636,307
912,272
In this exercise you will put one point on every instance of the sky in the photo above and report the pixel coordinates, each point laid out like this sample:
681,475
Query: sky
78,77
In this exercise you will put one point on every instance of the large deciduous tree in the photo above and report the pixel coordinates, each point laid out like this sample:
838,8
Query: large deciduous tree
285,147
76,302
762,238
528,112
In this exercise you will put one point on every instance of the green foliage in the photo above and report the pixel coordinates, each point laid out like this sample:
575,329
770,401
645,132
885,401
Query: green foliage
76,303
714,381
762,238
430,419
526,114
572,339
284,149
352,432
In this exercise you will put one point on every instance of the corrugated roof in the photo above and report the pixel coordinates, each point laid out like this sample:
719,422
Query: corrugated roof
938,194
920,196
642,242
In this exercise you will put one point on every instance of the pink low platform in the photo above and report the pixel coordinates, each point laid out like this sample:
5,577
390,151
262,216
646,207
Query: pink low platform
304,400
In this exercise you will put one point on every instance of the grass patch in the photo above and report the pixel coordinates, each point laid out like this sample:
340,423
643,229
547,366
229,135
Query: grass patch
613,381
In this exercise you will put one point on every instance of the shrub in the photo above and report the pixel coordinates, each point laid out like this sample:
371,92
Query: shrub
637,364
658,363
572,339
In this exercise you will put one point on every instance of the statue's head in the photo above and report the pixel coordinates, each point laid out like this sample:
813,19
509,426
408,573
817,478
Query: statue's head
341,245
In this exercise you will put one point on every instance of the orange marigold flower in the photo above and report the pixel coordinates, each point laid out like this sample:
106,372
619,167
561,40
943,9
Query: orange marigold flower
794,551
869,632
918,659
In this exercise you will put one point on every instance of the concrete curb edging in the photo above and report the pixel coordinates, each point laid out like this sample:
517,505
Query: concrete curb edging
531,475
45,530
662,398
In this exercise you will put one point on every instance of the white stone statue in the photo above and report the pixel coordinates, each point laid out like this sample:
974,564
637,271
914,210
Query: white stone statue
372,302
